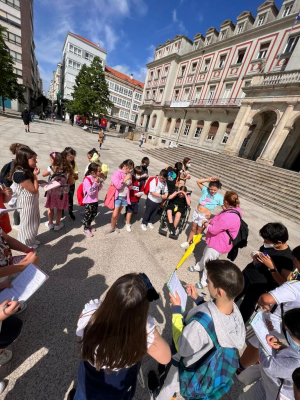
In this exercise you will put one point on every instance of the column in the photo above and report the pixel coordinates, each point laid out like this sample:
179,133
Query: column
204,132
238,131
276,139
219,136
192,130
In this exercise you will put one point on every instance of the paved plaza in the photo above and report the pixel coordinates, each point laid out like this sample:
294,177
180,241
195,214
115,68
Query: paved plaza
46,355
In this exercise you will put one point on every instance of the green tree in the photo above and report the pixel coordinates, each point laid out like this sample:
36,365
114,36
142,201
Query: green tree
91,94
9,86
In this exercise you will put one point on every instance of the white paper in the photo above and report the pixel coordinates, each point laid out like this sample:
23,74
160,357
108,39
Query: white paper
174,285
261,330
5,210
49,186
139,194
24,285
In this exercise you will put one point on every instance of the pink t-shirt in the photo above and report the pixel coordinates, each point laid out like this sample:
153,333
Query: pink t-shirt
217,237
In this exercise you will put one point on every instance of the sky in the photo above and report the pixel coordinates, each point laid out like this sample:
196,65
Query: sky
129,30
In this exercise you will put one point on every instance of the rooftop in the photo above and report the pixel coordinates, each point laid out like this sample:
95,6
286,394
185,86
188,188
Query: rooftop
88,41
123,76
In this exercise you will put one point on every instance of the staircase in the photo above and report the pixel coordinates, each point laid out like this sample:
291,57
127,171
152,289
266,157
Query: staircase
271,187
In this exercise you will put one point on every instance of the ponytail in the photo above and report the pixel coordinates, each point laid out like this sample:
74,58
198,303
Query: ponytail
232,198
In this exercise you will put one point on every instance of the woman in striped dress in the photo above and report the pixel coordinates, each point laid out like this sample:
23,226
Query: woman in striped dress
24,175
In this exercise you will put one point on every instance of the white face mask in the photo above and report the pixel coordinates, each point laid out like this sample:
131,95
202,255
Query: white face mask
128,182
268,246
138,177
188,165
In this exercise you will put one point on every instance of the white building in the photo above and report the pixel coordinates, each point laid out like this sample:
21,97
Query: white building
77,51
55,84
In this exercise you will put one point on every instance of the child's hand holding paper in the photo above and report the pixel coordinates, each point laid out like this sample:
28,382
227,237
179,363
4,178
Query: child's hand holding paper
175,300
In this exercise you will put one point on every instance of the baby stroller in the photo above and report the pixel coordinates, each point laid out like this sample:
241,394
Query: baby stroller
164,223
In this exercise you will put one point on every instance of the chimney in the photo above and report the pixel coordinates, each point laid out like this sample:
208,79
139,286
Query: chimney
131,76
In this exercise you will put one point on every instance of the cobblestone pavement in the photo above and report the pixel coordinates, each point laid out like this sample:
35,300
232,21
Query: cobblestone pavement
46,355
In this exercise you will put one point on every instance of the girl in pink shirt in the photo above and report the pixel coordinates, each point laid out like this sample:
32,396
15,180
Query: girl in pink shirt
217,238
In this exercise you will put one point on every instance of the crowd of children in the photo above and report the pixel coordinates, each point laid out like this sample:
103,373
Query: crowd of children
117,333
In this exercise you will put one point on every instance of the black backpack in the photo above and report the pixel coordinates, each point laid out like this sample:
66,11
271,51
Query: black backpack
5,173
241,240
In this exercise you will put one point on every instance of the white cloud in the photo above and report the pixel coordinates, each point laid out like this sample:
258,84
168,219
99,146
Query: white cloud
180,25
174,16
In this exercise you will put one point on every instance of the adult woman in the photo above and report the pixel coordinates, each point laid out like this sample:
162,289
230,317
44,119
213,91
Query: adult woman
184,173
24,176
26,119
218,230
120,182
116,334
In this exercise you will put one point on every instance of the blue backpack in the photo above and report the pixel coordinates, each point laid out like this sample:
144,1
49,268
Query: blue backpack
210,377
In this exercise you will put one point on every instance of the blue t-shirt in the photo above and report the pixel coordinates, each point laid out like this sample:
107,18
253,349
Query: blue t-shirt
210,201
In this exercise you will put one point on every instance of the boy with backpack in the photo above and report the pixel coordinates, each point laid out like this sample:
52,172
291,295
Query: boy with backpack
207,340
136,191
157,191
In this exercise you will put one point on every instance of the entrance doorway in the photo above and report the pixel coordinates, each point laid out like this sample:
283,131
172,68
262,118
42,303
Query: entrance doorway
147,123
289,155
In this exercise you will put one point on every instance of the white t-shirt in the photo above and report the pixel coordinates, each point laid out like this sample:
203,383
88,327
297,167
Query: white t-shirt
161,187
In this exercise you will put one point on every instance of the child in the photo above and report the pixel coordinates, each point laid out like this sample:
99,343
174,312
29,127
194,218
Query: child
271,266
94,157
24,176
176,207
101,137
158,191
185,173
173,176
70,155
191,339
91,186
296,381
145,165
274,373
135,194
109,368
209,200
49,171
58,198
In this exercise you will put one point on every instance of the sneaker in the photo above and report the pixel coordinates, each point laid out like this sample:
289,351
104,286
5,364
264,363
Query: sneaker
71,394
58,227
128,227
49,226
16,227
5,356
88,233
151,226
22,308
2,386
184,245
37,242
111,230
144,227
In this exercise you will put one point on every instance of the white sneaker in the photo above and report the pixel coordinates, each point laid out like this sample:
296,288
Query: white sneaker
185,245
5,356
2,386
16,227
49,226
128,227
58,227
144,227
151,226
37,242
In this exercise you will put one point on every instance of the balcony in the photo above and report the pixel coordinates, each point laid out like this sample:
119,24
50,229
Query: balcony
235,102
277,78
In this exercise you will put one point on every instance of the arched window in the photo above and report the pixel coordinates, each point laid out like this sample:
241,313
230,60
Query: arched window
213,130
168,125
142,120
154,120
187,127
227,133
177,125
199,128
248,137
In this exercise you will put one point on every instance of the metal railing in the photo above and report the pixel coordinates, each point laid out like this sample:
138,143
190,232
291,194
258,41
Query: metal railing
231,102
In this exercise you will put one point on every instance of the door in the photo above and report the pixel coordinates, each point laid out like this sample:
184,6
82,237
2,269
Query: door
227,94
211,94
147,123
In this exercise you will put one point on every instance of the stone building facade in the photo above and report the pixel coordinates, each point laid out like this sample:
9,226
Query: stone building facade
234,91
55,84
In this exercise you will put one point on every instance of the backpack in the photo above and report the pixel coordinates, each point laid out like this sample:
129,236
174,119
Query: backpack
241,240
64,185
80,194
5,172
147,187
210,377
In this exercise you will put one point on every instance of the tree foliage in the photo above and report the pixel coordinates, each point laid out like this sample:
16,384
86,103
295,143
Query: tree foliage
9,86
91,93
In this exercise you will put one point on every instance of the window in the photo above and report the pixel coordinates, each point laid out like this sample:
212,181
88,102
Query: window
240,56
166,71
135,107
13,19
151,75
176,44
147,94
75,50
186,94
206,65
291,44
208,41
176,95
223,34
198,92
16,56
18,71
199,128
142,119
132,117
263,50
222,61
158,73
246,84
160,95
213,130
211,94
227,93
74,64
153,94
287,10
227,133
194,66
71,78
168,124
11,37
187,127
240,28
123,114
154,120
177,125
89,56
261,20
182,70
12,3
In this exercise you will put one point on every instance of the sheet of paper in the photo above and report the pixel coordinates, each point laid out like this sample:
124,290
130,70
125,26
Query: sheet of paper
24,285
174,285
139,194
5,210
260,328
50,185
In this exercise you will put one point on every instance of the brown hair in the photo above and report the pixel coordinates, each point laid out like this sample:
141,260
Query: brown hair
183,189
23,154
185,161
14,147
116,335
138,170
60,164
227,276
232,198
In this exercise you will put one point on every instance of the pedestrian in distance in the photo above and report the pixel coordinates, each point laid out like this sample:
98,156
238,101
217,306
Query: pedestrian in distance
26,119
142,139
101,138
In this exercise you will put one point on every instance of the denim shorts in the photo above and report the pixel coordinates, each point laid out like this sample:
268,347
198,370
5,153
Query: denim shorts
121,202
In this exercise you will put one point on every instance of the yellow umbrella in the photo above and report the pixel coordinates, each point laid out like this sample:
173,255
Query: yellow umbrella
190,249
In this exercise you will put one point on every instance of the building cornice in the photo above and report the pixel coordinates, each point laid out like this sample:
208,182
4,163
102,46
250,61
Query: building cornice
168,58
123,82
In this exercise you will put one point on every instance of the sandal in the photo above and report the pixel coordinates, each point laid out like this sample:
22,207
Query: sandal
192,269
